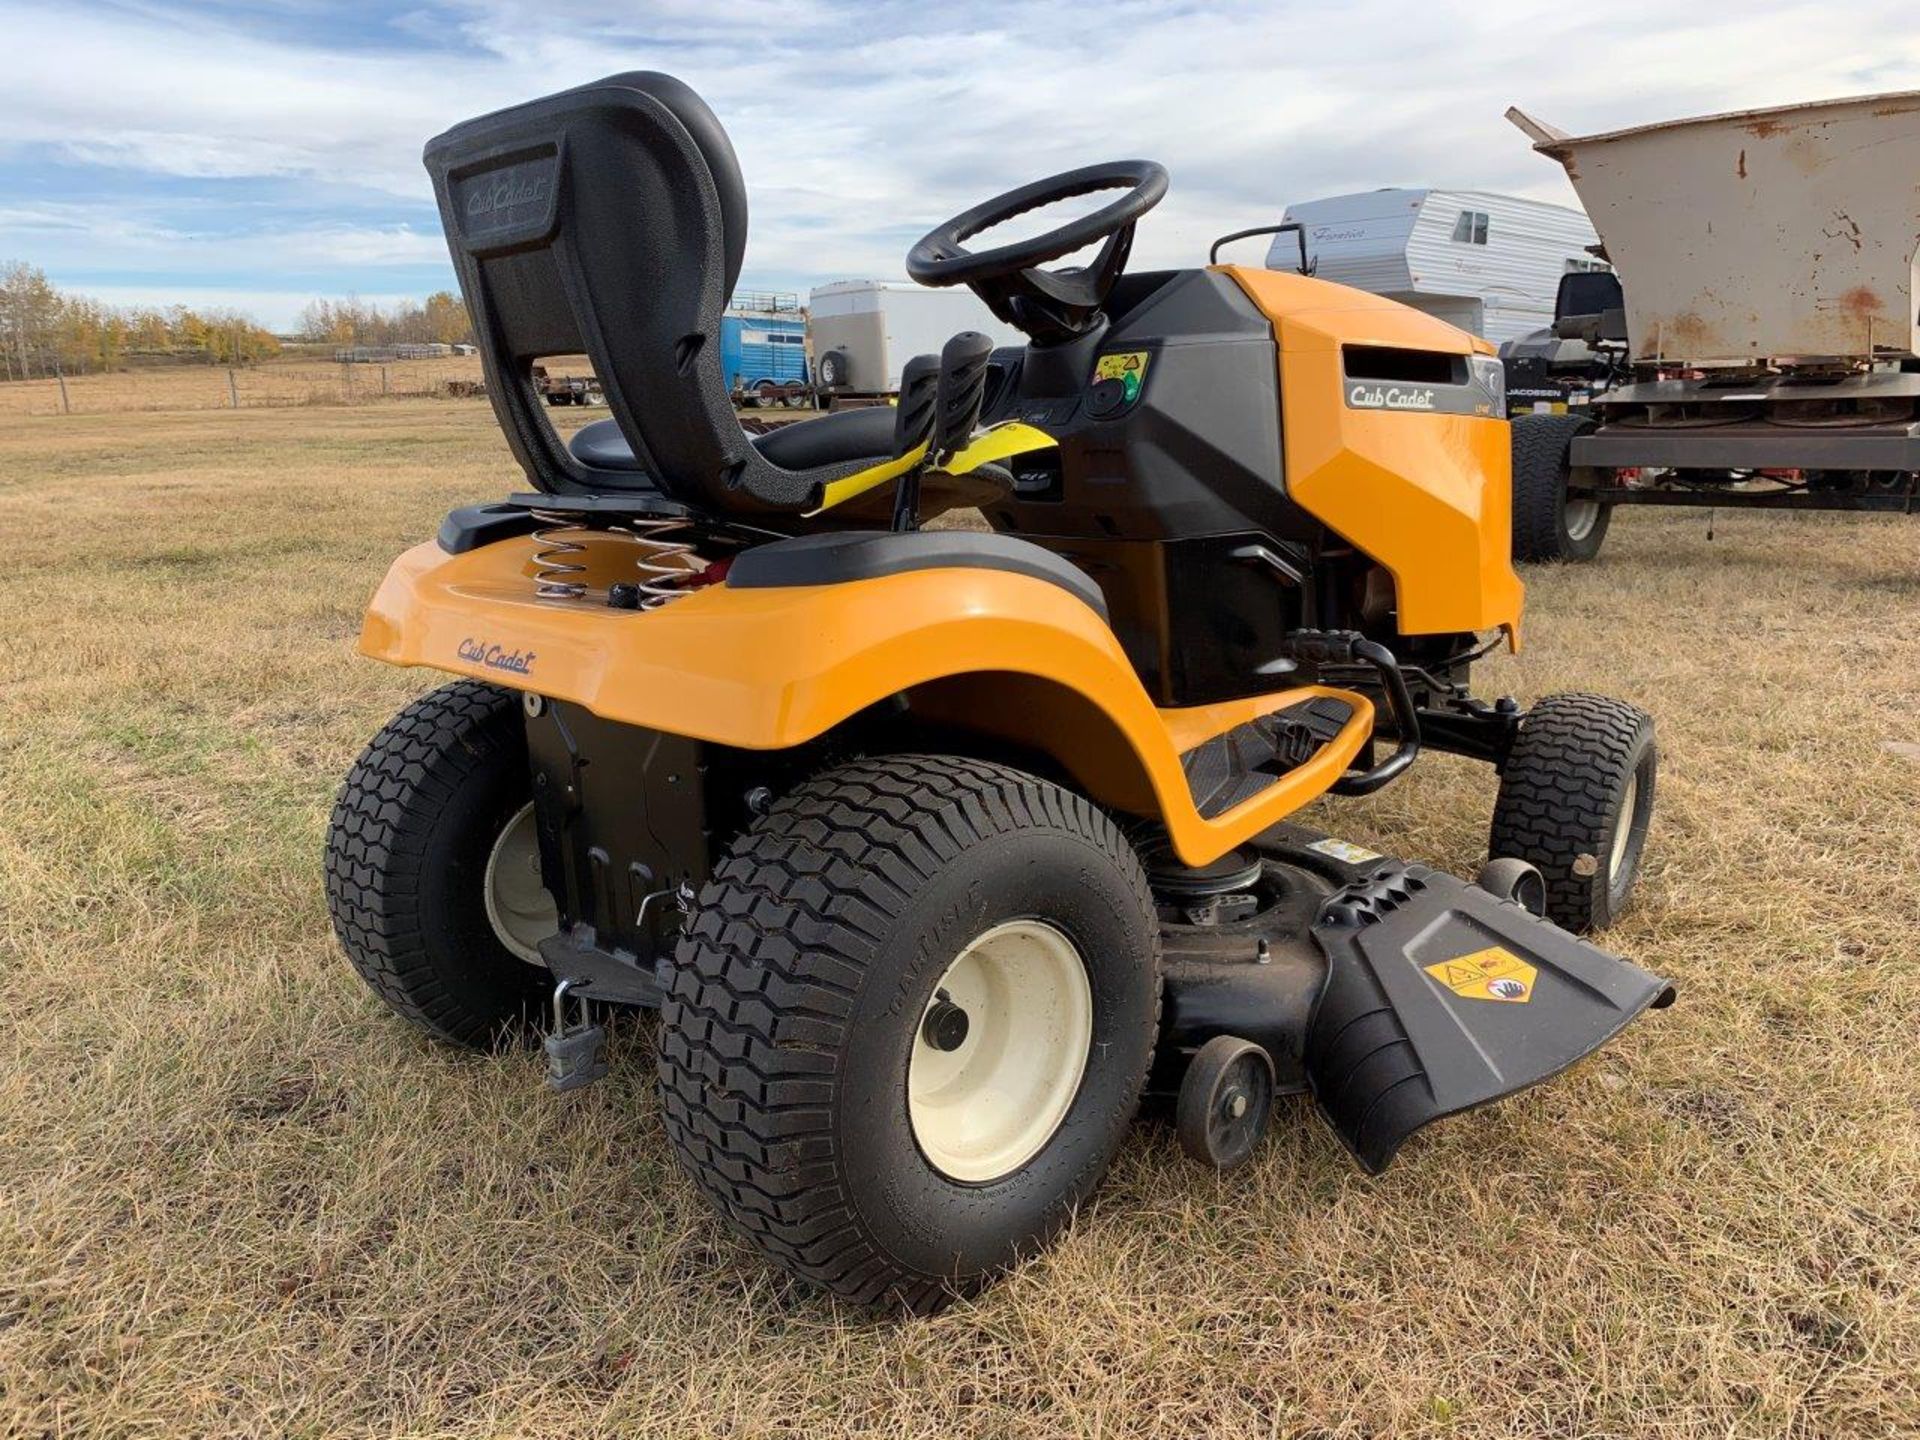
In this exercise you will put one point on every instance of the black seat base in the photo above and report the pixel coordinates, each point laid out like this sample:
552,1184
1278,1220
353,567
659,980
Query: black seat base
846,555
839,438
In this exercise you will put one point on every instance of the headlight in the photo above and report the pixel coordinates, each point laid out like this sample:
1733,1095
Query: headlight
1489,372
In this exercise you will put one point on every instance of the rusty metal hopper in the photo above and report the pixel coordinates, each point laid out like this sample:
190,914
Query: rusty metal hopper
1782,234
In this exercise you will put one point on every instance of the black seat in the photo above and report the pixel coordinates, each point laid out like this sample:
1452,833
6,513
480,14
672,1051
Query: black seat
611,220
835,558
843,437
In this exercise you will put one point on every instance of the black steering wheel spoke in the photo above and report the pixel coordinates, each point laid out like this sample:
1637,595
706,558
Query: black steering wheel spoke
1048,305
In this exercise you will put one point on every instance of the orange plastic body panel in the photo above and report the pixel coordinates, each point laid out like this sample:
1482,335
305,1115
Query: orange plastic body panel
769,669
1428,496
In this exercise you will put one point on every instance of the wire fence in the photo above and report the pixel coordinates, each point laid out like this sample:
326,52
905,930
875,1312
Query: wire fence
273,383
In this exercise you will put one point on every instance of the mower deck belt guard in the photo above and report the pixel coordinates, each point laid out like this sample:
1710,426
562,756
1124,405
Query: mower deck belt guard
765,669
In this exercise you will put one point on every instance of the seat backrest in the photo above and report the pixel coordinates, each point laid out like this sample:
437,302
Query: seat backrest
610,220
1587,292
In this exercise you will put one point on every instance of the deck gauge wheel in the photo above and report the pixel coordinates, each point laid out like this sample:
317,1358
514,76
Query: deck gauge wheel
1225,1102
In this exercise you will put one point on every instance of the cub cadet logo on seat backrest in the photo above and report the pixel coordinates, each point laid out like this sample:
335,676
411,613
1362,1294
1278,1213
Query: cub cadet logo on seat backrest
1490,974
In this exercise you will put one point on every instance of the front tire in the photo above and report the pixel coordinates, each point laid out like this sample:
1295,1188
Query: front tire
427,869
814,1081
1550,521
1576,798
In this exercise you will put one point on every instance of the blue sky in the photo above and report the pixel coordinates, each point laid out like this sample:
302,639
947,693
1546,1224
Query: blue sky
255,155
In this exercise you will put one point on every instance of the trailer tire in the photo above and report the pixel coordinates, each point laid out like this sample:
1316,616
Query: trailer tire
1576,797
766,395
1547,526
833,369
411,851
798,1076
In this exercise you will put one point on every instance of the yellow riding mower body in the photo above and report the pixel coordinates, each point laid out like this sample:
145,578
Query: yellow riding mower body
938,848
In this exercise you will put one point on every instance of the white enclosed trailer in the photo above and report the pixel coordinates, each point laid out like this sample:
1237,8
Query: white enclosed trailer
864,331
1490,264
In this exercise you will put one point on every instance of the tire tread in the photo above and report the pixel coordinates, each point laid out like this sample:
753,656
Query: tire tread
765,978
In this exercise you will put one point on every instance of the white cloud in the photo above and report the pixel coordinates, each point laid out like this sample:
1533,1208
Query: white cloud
858,126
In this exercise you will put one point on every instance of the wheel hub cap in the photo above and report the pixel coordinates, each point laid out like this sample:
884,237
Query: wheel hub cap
1623,829
1581,515
985,1107
519,907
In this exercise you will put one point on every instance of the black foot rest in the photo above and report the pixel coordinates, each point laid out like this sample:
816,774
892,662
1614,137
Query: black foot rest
1232,768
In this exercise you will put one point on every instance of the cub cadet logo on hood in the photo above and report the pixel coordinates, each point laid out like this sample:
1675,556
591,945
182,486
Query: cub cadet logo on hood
496,657
1390,397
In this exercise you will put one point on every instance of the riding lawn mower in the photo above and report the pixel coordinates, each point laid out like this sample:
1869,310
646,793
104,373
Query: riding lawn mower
936,850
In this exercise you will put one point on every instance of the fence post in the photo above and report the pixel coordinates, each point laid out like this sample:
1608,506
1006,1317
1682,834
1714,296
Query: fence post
65,407
384,388
233,388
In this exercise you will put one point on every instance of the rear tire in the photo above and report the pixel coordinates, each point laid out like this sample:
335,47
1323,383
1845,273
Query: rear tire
766,395
1575,802
1549,525
805,1000
408,846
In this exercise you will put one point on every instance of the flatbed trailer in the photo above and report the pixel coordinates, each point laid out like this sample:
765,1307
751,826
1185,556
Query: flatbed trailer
1760,348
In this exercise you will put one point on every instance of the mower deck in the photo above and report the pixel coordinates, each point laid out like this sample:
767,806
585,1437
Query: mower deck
1395,994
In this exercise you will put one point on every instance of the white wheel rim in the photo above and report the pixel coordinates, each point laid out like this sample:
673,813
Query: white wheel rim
985,1108
1623,828
1580,517
519,907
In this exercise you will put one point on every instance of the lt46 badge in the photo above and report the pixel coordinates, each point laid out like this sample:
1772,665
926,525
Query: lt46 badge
1490,974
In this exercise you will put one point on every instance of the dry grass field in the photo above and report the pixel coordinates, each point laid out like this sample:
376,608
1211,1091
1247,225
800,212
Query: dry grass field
207,387
237,1198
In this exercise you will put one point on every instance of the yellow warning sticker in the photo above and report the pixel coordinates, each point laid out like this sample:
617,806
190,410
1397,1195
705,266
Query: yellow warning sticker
1129,367
1490,974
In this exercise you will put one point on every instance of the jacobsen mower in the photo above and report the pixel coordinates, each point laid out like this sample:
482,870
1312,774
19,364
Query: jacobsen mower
936,850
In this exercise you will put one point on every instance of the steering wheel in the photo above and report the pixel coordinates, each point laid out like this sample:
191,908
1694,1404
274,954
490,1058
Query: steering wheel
1049,305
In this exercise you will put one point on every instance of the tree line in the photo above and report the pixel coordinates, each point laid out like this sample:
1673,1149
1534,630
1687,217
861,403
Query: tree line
46,331
440,318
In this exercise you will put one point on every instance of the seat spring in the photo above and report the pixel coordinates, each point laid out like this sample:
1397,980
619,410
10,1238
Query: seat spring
662,574
554,565
557,568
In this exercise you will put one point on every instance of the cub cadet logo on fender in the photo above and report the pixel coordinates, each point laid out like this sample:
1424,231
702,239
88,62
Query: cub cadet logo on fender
1390,397
1490,974
496,657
